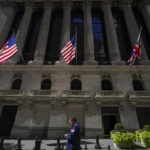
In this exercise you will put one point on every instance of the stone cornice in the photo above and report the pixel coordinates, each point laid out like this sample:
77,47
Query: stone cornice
101,2
81,69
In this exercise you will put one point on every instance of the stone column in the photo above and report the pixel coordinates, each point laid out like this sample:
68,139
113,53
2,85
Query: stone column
93,122
6,18
133,30
65,32
57,122
128,116
145,10
23,121
43,36
22,32
111,35
88,36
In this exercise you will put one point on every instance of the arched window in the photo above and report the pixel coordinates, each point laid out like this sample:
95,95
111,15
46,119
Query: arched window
106,85
46,84
76,84
16,85
137,85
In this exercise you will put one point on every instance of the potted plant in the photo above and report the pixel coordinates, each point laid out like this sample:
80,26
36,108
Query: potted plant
145,136
117,128
124,140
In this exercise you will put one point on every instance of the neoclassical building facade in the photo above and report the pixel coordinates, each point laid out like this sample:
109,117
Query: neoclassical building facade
39,92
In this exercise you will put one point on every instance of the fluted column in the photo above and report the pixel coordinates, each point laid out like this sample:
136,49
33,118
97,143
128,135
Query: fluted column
65,32
88,36
43,36
133,29
112,40
6,18
22,32
145,10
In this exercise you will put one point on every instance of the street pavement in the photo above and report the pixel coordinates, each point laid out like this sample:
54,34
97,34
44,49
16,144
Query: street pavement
50,144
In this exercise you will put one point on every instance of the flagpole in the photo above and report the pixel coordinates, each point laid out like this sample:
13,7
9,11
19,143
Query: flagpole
18,49
76,43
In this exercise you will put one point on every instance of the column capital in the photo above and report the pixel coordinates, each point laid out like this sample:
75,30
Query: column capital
67,3
48,4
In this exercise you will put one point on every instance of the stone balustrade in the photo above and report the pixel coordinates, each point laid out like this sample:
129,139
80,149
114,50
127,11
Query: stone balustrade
109,97
75,93
11,92
42,93
27,93
109,94
139,94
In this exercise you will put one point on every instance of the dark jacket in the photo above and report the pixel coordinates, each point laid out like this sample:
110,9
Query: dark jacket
73,138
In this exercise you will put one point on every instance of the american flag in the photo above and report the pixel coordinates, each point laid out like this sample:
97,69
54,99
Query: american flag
136,52
69,51
8,50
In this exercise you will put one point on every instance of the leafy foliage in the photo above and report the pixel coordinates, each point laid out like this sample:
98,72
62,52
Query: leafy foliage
118,126
145,138
124,140
147,127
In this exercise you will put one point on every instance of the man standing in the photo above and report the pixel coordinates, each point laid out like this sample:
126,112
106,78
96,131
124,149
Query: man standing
73,137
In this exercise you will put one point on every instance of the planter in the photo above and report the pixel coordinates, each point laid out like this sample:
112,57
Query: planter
145,138
124,140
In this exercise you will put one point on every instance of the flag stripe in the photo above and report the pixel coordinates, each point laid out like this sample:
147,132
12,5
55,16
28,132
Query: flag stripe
6,53
69,51
136,52
6,56
8,50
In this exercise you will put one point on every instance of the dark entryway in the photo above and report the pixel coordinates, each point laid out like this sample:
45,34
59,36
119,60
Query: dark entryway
143,116
7,119
109,122
110,116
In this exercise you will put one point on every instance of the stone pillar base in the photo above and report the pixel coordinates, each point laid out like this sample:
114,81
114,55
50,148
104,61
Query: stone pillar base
145,62
22,132
35,62
9,62
53,133
60,63
118,62
92,133
90,62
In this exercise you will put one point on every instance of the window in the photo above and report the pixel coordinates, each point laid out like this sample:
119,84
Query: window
16,21
16,85
122,34
137,85
106,85
46,84
145,34
32,36
77,22
76,84
53,44
100,46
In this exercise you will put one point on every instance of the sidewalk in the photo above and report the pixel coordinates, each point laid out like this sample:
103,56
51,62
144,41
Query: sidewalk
50,144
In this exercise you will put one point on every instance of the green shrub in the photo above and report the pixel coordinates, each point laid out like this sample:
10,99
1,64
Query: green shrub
145,138
118,126
124,140
111,134
137,134
147,127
